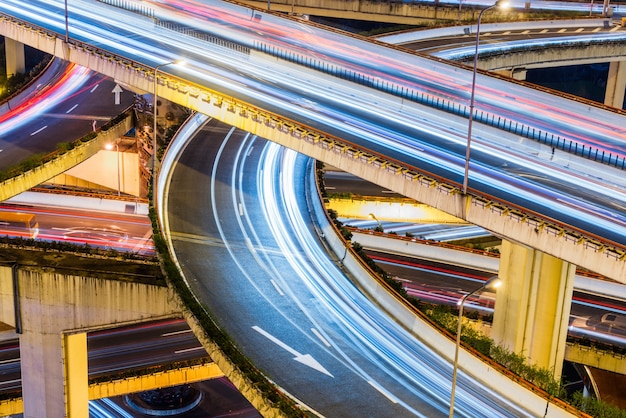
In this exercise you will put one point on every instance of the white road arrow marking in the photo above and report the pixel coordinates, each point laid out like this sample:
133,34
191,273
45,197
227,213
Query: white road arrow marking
117,90
305,359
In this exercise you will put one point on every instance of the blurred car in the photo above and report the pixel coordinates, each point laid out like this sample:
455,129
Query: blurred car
97,236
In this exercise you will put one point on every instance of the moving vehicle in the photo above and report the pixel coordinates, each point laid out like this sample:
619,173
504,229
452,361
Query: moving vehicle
612,323
97,236
18,224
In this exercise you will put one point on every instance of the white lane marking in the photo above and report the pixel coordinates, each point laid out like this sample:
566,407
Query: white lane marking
167,334
320,336
7,382
94,88
72,108
189,349
305,359
383,391
38,130
280,292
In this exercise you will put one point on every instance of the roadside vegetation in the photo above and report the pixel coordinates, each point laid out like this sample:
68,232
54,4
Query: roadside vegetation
35,62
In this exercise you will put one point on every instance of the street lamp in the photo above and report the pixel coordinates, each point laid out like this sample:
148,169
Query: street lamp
67,29
154,132
379,224
117,150
492,283
502,4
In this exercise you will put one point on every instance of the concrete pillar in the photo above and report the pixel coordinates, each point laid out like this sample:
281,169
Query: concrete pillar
616,85
533,305
41,359
516,73
519,73
76,375
7,296
14,56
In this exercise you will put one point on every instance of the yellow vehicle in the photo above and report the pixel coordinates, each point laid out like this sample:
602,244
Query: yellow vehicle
19,224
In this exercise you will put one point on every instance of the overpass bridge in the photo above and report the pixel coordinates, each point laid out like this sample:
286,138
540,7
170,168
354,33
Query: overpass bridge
574,246
410,13
52,299
128,385
318,144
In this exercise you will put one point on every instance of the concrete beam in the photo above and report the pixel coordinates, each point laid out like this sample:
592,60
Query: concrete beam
129,385
103,170
593,357
551,57
153,381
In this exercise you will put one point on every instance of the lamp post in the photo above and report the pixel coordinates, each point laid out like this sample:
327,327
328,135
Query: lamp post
605,8
117,151
67,29
154,132
501,4
380,226
492,283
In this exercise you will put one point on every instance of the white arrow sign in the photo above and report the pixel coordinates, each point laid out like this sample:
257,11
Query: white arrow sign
117,90
305,359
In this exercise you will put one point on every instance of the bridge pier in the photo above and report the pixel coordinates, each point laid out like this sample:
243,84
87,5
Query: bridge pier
14,52
76,370
55,311
616,84
533,305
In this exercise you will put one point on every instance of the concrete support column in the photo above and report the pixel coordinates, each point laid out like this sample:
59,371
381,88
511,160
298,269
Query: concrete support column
7,296
516,73
14,56
616,85
41,359
519,74
76,374
533,305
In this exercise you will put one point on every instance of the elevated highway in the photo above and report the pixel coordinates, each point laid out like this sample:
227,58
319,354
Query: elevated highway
242,108
334,151
423,12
